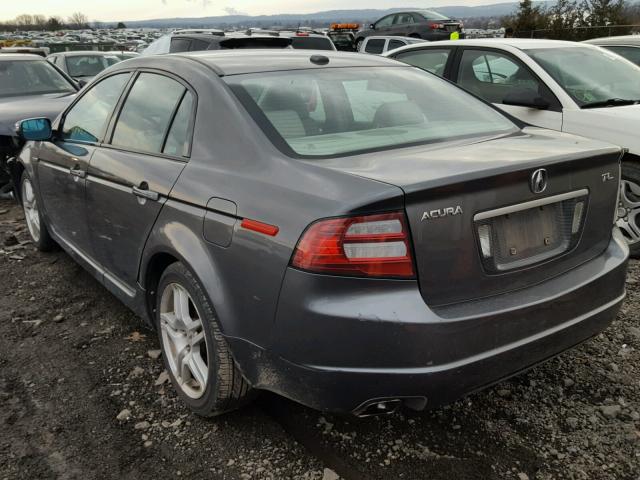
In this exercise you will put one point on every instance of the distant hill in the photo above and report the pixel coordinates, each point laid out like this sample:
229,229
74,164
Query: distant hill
320,18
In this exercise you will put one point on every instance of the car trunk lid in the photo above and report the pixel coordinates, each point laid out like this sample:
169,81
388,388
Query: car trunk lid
479,225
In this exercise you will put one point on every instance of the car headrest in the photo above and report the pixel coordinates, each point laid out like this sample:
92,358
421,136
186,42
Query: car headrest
395,114
287,122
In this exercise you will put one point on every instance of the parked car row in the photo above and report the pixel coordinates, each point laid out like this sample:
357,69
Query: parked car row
565,86
347,230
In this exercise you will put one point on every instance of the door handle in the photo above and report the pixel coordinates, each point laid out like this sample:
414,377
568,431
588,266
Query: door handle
77,172
143,192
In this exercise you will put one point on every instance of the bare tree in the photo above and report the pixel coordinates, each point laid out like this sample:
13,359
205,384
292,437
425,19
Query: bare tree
39,22
78,21
24,20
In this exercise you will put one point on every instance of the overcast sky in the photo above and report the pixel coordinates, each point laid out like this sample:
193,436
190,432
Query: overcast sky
115,10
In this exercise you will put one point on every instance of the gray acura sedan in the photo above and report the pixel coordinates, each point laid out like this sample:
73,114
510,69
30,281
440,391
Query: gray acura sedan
344,230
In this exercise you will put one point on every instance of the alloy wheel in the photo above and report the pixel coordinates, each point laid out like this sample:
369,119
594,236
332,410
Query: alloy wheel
629,211
30,207
184,340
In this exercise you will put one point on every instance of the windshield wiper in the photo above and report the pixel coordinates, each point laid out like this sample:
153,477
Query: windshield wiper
611,102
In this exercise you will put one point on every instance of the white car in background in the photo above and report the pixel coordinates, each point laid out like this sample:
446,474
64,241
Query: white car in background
379,44
571,87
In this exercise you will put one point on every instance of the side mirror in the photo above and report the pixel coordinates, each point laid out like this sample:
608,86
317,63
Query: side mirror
372,26
35,129
526,97
82,83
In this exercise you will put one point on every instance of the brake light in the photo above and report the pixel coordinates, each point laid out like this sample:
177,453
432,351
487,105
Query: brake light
302,34
370,246
437,26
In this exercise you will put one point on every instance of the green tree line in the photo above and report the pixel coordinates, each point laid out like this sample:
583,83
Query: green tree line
574,19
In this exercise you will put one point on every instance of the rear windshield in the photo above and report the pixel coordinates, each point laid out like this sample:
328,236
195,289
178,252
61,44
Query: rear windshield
89,65
338,111
31,77
311,43
431,15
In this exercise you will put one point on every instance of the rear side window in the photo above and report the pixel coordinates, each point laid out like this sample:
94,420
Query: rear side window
87,119
178,140
147,113
198,45
180,45
393,44
404,19
434,61
375,46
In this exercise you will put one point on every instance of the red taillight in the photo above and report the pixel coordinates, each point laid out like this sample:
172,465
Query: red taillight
437,26
302,34
370,245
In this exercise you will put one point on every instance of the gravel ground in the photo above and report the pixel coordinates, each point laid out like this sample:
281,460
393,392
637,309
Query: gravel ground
83,395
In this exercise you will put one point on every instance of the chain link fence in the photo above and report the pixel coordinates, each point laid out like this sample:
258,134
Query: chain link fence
581,33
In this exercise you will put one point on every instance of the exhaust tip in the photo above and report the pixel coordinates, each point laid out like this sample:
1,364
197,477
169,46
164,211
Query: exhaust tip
387,406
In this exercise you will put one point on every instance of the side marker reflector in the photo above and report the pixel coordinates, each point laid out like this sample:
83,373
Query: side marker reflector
264,228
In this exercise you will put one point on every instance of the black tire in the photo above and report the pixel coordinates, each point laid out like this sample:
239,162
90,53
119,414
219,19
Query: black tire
42,239
630,174
226,388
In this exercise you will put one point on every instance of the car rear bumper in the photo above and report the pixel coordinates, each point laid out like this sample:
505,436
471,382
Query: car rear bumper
342,344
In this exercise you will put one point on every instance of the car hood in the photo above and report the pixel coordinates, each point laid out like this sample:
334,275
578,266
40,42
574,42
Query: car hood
14,109
617,125
435,165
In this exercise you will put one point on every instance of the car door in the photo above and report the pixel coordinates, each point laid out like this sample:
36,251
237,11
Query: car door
402,24
493,74
63,163
433,60
131,175
384,25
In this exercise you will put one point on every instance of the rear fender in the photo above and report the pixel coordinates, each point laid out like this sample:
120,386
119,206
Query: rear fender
175,234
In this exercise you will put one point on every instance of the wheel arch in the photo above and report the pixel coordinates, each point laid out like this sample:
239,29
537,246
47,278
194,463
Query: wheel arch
173,241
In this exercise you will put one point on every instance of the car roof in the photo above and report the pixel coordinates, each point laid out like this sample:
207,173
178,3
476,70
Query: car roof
396,37
244,61
520,43
84,53
20,56
620,40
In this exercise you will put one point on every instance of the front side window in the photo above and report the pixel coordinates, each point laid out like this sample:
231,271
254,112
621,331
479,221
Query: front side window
87,119
31,77
147,113
86,65
364,109
492,75
375,46
434,61
591,76
385,22
630,53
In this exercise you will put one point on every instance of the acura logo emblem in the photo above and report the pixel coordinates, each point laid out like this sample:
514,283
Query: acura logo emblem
538,181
